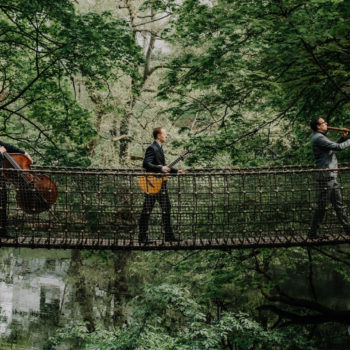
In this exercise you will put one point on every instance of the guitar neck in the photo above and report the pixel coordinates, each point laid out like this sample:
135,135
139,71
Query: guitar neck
175,162
178,159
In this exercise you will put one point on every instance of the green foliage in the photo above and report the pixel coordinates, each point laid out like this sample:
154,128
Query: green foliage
167,317
250,69
45,46
246,78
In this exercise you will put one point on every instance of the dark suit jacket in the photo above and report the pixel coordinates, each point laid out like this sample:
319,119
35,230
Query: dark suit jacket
9,149
154,159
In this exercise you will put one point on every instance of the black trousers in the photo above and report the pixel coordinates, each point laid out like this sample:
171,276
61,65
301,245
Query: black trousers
3,204
329,191
163,198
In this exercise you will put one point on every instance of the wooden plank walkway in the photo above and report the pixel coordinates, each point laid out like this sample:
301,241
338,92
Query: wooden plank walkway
186,244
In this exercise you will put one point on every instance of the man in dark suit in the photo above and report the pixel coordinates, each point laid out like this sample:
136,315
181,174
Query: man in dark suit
5,147
154,161
327,186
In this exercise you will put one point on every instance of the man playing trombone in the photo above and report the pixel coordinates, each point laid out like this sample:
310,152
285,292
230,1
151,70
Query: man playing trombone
327,186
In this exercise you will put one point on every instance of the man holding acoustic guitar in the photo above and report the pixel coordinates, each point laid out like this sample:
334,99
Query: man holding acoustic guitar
5,147
155,187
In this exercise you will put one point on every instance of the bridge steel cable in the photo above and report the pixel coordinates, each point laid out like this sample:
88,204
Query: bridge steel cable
210,209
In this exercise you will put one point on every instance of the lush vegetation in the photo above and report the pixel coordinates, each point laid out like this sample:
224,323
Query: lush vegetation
249,66
214,300
45,45
237,81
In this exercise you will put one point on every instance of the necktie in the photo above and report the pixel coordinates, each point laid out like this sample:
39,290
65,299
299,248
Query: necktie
162,153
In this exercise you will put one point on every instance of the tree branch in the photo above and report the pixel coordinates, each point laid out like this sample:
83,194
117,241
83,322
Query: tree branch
21,93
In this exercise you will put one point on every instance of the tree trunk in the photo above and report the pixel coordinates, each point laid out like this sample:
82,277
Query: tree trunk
99,112
120,287
84,297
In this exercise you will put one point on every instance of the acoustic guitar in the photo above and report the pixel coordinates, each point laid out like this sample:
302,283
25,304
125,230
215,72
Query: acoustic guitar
152,182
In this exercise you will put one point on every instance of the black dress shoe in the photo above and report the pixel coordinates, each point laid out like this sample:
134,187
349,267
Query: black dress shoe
4,234
172,239
314,235
145,240
142,237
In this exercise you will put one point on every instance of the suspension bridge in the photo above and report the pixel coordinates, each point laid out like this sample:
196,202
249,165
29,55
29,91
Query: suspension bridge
210,209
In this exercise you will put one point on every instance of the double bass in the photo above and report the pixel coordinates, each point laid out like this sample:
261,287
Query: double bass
34,193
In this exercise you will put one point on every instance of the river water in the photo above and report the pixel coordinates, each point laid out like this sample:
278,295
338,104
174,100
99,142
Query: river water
42,290
32,294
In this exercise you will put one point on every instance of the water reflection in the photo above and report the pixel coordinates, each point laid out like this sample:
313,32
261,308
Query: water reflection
32,291
42,290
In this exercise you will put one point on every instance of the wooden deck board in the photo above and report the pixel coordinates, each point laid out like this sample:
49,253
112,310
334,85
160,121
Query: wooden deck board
186,244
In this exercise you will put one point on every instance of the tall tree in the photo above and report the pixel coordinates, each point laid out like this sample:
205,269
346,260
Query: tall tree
147,22
246,67
127,112
44,46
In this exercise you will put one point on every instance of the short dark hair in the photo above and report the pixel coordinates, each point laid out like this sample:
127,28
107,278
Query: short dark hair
157,131
314,122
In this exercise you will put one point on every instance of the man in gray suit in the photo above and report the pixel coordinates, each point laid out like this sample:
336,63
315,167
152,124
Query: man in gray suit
327,186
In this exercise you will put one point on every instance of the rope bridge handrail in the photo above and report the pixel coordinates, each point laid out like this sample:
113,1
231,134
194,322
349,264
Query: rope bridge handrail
210,209
132,170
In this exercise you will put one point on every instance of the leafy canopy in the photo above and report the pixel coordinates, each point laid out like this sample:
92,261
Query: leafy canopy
44,47
251,68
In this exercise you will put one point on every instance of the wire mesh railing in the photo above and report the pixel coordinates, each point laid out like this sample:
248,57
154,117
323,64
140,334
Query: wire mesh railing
201,209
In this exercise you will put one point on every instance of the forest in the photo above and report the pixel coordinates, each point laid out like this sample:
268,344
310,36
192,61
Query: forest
84,82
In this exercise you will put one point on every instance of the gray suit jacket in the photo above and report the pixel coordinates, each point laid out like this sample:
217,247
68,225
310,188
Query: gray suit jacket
324,151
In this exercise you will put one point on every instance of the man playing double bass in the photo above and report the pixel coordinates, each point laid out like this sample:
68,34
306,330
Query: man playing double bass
5,147
154,161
